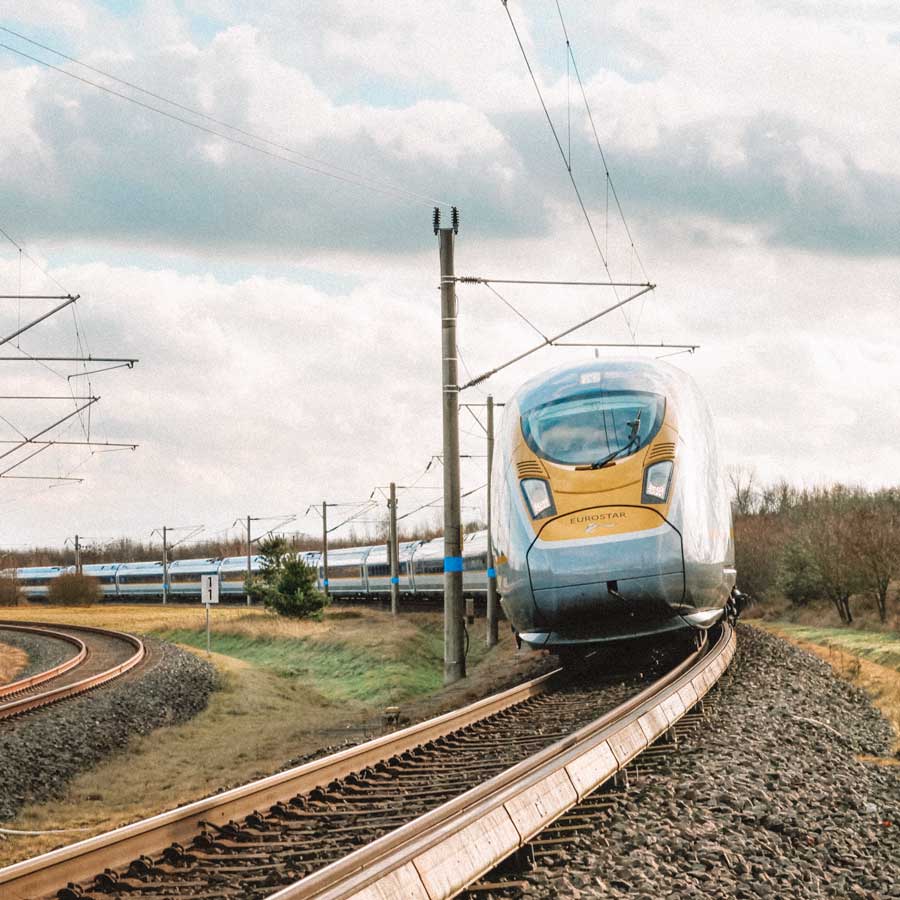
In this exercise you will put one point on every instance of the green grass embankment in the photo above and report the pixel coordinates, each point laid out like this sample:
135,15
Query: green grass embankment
878,647
337,670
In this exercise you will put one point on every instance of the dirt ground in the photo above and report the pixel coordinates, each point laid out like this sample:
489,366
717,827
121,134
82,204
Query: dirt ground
12,661
255,724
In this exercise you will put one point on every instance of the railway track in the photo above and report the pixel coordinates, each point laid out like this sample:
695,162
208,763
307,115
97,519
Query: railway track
420,813
99,656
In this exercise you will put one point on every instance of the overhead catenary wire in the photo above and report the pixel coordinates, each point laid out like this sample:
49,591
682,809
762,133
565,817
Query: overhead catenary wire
338,175
566,162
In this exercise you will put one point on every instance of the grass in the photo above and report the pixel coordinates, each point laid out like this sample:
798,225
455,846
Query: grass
12,661
340,671
879,647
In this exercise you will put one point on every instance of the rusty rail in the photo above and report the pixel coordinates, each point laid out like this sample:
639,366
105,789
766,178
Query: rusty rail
438,855
14,687
53,695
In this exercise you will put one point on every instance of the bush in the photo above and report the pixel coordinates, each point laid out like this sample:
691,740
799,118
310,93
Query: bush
10,592
286,585
72,589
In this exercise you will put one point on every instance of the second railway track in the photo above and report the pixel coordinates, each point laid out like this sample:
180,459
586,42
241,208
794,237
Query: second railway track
427,810
98,656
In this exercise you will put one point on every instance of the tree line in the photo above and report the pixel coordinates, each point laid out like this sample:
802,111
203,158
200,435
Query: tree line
832,543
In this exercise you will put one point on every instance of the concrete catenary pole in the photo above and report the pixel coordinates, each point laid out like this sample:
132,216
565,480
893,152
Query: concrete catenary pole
454,621
492,632
165,566
394,554
249,561
77,555
325,547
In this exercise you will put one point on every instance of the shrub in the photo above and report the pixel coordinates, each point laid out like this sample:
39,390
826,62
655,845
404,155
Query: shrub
73,589
10,592
286,584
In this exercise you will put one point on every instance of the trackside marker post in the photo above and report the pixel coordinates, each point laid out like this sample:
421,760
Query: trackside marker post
209,594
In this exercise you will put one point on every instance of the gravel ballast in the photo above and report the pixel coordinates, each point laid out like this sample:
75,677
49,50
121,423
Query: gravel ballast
43,652
41,751
768,800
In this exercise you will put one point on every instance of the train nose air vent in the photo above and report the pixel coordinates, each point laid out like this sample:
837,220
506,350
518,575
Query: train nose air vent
660,451
531,468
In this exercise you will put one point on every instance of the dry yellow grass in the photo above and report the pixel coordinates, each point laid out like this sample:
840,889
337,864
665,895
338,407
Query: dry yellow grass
881,683
12,661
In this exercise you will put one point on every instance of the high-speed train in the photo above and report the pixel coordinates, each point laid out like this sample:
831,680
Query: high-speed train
353,573
610,516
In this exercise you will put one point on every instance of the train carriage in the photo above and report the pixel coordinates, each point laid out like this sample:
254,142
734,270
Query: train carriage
140,581
35,580
105,573
346,572
184,577
233,575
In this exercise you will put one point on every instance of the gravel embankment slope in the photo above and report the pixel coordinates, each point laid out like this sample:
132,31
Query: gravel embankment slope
43,653
41,751
761,804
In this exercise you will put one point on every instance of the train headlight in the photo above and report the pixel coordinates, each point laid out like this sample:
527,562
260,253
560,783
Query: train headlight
538,497
657,479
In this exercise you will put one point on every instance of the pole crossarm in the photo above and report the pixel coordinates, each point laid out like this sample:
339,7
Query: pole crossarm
86,359
664,346
478,279
42,478
65,418
70,299
75,443
38,297
551,341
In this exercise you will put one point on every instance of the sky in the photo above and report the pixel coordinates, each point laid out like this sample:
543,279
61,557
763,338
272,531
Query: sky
275,272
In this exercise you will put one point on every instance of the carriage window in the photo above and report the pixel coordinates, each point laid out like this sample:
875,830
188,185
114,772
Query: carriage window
343,571
582,430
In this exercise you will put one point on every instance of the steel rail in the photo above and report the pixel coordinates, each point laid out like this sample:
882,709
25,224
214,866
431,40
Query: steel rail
63,692
78,862
23,684
438,855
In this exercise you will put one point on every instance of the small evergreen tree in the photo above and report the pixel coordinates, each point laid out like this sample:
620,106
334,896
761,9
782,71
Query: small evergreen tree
286,584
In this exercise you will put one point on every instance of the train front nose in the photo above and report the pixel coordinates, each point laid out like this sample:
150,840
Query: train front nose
607,571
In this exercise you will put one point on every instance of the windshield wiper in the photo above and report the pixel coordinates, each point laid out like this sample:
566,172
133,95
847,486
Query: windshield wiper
632,438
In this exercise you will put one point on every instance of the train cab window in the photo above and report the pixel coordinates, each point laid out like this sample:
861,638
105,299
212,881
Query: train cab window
584,429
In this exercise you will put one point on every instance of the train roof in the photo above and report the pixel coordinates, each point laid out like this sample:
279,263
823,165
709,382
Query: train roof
240,562
606,375
33,571
196,565
141,566
100,568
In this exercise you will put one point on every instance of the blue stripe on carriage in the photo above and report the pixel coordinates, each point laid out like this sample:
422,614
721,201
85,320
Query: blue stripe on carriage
453,564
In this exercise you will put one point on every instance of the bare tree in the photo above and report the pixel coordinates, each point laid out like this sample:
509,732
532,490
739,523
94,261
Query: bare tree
876,540
742,481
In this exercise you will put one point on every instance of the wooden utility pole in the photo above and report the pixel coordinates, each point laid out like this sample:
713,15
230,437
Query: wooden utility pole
492,631
325,547
454,613
394,552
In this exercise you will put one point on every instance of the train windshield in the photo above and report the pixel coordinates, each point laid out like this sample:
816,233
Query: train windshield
583,429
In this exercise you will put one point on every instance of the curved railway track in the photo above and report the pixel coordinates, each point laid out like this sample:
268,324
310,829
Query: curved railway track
420,813
99,657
